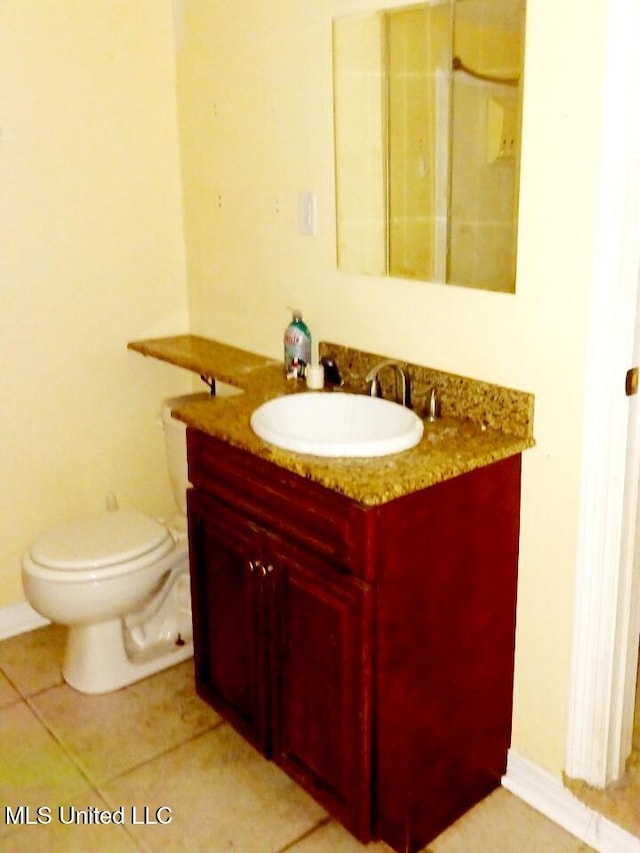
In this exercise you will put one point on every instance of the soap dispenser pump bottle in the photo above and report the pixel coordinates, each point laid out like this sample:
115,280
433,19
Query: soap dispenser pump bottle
297,346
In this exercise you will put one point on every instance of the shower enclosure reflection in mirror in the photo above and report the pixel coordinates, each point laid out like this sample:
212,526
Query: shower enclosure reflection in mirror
428,103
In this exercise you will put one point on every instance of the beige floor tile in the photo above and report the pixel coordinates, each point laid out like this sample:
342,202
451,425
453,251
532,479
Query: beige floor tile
7,694
502,823
32,661
34,770
58,837
332,838
223,796
111,733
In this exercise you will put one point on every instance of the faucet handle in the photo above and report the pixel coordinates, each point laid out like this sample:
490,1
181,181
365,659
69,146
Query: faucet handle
375,388
433,410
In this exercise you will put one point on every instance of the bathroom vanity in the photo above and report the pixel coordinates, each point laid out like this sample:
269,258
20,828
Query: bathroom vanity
354,619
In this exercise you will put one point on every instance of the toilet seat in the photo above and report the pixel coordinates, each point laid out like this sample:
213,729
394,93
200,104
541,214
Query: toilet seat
100,546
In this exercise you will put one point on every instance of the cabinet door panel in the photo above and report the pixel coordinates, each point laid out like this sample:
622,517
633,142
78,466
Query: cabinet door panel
227,616
323,669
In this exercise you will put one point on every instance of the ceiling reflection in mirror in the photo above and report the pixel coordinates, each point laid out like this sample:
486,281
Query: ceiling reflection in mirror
427,102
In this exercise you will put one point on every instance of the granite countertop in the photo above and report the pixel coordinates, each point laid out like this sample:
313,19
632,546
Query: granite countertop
497,422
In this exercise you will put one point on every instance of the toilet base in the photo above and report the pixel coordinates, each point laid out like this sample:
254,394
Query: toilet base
96,660
106,656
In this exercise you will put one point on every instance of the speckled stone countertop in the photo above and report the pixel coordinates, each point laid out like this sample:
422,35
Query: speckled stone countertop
480,424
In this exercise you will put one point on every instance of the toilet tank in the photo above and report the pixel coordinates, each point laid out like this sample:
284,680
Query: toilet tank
175,439
175,442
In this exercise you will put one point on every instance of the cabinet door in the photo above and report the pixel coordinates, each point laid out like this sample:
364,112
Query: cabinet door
322,672
228,616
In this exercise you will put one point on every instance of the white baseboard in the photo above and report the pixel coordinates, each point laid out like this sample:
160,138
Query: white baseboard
546,793
18,619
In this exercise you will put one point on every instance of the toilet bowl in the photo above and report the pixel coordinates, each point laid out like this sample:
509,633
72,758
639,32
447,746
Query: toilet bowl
120,581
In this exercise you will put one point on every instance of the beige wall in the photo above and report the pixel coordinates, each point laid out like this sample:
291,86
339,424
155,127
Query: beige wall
255,113
92,256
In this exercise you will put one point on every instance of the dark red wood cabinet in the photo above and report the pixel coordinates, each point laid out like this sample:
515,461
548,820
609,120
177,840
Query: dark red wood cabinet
366,650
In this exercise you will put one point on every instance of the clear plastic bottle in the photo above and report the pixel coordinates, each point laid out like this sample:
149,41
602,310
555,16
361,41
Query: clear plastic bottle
297,346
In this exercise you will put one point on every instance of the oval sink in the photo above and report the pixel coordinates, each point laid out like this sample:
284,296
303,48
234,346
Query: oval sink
337,424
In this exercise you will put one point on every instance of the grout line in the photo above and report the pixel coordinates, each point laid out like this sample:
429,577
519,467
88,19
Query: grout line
24,694
72,758
291,844
166,752
93,783
96,786
21,694
100,785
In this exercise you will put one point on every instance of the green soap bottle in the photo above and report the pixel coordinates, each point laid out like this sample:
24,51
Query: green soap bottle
297,346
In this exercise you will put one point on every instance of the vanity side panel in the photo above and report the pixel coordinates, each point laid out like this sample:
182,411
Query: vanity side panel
447,561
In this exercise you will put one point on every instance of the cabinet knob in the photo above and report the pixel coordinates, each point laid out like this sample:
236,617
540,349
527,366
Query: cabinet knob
258,566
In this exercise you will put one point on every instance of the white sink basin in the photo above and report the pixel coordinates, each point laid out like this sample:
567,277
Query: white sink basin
337,424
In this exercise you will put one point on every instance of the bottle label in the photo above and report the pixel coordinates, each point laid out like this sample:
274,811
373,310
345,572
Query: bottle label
297,352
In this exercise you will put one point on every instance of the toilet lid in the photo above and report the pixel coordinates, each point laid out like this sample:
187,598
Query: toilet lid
100,540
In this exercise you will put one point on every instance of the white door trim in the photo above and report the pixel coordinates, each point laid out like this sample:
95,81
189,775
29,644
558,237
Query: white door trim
605,641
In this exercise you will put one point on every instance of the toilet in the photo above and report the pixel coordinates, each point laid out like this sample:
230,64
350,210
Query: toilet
120,581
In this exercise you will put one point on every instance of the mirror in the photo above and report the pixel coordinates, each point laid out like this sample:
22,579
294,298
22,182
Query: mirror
427,103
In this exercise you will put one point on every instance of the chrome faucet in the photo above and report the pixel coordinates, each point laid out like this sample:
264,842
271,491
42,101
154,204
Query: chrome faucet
402,374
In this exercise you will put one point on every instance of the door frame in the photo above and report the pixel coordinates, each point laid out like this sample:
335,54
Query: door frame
607,605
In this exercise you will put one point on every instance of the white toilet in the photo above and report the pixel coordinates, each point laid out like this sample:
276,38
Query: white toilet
120,581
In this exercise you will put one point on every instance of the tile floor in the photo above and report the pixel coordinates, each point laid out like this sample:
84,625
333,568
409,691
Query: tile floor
155,747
